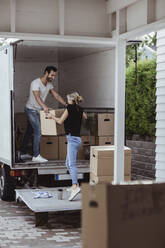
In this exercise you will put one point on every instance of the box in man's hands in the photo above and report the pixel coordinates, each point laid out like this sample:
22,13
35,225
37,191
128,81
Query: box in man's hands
49,126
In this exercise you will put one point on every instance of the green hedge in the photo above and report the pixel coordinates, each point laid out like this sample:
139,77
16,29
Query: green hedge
141,99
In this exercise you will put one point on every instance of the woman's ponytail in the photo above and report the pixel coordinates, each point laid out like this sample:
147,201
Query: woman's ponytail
75,97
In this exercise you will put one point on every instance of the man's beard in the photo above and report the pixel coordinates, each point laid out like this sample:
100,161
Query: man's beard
48,79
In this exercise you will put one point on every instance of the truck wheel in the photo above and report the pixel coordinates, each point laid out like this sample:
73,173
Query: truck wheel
7,192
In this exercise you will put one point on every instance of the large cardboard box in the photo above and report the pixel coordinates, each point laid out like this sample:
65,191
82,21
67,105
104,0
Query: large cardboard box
105,179
105,124
86,141
49,126
49,147
104,140
123,215
102,160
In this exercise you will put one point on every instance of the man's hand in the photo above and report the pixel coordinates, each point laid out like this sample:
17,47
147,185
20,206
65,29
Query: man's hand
46,109
40,102
49,116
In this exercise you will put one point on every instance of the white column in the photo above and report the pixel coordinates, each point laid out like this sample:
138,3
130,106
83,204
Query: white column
119,111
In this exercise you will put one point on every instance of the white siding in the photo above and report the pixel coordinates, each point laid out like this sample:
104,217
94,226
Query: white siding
86,18
160,108
37,16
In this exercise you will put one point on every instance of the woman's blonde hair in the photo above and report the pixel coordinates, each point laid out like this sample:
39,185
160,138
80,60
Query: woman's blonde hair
75,97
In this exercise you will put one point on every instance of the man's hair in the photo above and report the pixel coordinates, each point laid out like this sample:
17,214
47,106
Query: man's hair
50,68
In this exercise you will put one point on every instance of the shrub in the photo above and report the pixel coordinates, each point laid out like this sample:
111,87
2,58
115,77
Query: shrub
141,98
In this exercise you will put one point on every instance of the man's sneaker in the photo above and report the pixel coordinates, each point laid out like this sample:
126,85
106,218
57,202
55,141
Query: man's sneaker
39,159
25,156
74,193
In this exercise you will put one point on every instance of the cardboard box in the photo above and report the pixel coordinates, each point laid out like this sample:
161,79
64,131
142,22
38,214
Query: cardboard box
49,147
123,215
105,140
105,179
60,128
90,126
105,124
86,141
102,160
49,126
62,147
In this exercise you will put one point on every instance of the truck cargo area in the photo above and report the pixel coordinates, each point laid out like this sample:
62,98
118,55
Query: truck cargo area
86,68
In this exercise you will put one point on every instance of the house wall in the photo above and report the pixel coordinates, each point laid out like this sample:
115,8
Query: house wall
160,107
92,76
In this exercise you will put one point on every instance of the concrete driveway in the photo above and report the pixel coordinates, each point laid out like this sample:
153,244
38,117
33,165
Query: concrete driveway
17,228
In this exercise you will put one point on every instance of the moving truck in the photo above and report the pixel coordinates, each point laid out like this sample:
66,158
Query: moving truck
84,65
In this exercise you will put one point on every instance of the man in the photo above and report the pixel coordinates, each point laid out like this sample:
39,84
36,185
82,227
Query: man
39,90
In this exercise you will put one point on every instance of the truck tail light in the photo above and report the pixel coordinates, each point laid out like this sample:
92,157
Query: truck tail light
16,173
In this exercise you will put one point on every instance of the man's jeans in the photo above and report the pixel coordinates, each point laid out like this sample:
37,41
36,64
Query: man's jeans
35,128
74,143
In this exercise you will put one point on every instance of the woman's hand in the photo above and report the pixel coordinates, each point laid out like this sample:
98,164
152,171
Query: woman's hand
50,116
54,118
58,120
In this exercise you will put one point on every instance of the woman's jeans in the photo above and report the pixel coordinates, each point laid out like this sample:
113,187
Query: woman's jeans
34,127
74,143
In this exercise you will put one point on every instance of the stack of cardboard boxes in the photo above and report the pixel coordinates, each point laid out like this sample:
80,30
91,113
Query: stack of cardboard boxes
97,142
105,129
102,155
102,164
53,143
49,145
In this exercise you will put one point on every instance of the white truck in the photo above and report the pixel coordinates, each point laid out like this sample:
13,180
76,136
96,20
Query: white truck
86,40
86,66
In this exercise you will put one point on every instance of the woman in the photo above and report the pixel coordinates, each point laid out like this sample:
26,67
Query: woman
72,118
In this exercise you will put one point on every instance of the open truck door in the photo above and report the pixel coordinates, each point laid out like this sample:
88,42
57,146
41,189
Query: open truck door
6,86
6,89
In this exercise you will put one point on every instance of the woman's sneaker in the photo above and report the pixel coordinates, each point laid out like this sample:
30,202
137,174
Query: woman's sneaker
74,193
39,159
71,188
